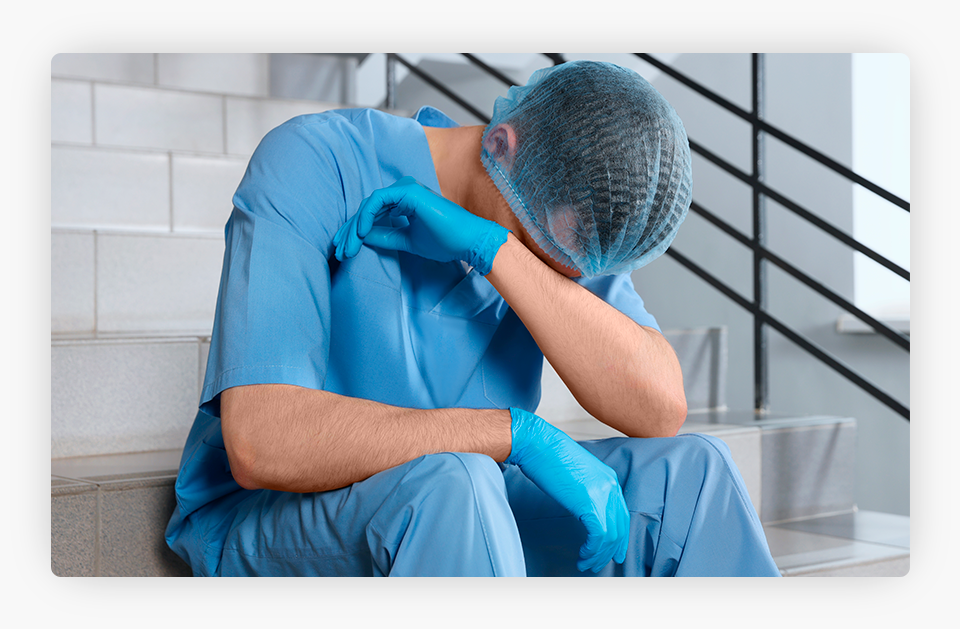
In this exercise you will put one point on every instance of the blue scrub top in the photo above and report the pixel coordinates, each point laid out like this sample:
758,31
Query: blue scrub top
385,325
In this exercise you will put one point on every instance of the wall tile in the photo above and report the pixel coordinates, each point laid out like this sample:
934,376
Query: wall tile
157,283
121,396
248,119
157,119
245,74
72,282
73,528
133,67
202,191
71,111
105,188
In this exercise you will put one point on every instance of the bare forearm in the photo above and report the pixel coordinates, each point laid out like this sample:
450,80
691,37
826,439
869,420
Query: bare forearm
622,373
296,439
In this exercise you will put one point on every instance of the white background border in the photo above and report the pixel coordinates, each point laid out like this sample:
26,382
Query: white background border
32,34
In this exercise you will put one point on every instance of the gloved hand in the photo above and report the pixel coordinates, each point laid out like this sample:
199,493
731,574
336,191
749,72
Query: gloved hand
439,229
576,479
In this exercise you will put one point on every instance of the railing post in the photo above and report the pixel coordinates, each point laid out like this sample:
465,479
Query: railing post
760,364
391,100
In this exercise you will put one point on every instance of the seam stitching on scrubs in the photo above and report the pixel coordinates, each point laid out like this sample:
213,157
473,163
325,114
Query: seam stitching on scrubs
372,281
476,503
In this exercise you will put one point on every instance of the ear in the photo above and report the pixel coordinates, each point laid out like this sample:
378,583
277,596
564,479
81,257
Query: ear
501,143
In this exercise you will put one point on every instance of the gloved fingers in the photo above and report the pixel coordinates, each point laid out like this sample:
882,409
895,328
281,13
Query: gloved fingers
394,238
342,238
400,199
599,547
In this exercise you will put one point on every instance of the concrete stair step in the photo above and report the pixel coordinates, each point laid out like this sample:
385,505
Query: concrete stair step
124,394
108,514
855,544
793,467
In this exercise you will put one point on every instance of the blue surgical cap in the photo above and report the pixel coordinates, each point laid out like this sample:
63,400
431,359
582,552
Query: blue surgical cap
600,176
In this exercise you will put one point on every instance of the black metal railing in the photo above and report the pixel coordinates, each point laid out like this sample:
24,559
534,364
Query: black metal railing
757,242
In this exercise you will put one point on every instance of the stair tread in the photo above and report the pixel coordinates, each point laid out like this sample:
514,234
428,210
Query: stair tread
110,466
837,542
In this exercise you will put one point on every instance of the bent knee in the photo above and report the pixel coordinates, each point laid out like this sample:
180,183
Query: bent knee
462,473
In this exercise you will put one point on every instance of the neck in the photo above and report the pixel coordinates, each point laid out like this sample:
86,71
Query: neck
462,177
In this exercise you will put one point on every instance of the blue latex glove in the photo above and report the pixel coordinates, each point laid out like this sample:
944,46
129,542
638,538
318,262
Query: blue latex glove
438,229
579,481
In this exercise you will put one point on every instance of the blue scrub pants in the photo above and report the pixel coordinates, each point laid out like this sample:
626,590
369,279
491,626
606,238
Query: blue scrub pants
462,514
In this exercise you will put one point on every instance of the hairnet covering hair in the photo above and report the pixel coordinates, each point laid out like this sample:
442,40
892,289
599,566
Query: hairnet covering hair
600,176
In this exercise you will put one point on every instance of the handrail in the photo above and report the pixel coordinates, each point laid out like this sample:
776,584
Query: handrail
733,170
800,211
437,85
756,244
898,338
768,319
489,70
775,132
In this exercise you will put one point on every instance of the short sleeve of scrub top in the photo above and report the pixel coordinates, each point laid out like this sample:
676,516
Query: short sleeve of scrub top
272,321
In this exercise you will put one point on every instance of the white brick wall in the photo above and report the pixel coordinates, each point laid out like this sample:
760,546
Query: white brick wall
147,153
202,191
125,67
94,187
146,117
141,188
243,74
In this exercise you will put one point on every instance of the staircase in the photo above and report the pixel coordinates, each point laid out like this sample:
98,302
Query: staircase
147,152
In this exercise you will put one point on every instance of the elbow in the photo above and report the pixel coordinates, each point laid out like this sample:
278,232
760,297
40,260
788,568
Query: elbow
675,414
242,459
242,453
668,411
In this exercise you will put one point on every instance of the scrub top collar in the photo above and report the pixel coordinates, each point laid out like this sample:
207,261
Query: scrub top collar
432,117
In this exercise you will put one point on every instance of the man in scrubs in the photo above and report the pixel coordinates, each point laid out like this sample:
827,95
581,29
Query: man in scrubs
390,289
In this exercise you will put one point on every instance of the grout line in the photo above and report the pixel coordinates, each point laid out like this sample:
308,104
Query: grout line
149,150
224,117
96,540
96,274
170,185
93,114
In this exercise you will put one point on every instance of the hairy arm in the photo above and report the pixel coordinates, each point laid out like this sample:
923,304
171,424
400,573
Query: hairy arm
296,439
624,374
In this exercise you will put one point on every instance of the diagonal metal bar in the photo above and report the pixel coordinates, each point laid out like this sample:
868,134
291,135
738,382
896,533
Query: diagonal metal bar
802,212
503,78
440,87
777,133
899,338
555,57
797,339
